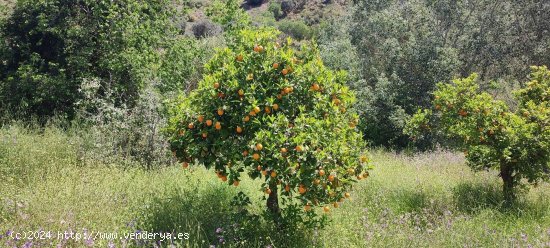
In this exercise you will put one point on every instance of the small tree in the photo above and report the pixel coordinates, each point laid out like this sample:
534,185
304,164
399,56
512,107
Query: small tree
516,142
276,114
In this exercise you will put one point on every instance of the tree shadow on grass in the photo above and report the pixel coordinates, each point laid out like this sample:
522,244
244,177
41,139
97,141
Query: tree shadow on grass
474,197
471,198
209,218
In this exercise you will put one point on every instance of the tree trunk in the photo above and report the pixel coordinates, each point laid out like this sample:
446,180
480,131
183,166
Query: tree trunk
508,183
273,204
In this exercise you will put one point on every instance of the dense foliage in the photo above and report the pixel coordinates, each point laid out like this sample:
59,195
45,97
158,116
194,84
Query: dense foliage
492,134
52,46
269,111
406,47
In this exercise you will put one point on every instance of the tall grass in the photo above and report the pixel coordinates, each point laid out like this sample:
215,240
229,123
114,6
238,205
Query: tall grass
427,200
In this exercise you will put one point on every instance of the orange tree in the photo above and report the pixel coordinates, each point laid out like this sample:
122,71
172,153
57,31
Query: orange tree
515,140
277,114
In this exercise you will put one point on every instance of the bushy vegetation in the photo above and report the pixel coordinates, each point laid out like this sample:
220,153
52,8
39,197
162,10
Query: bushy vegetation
103,102
407,47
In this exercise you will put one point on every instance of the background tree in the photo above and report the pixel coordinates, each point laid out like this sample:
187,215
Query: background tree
492,135
277,114
406,47
51,46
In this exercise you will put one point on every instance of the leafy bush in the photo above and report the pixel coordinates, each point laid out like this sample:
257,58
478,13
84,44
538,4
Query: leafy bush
124,135
229,14
516,142
206,28
53,45
277,114
296,29
275,8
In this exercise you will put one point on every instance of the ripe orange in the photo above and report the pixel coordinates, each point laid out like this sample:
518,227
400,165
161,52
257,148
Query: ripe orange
204,135
239,129
256,110
321,172
326,209
259,147
209,122
286,90
284,72
216,85
335,205
264,172
284,150
273,174
252,113
307,207
245,153
220,111
316,181
302,189
279,96
246,118
185,165
275,106
240,57
359,177
275,65
315,87
191,126
268,191
256,156
347,195
200,118
287,188
241,92
224,178
259,168
331,178
236,183
218,125
299,148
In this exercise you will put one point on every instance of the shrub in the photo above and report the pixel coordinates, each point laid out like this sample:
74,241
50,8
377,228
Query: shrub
229,14
206,28
275,8
296,29
277,114
122,135
53,45
516,142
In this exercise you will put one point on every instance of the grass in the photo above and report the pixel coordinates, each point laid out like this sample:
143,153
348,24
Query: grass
429,200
